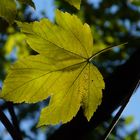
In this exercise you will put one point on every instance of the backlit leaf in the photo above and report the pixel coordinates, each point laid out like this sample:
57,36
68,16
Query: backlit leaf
62,70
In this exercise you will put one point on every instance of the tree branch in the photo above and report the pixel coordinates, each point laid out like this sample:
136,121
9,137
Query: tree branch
117,116
10,128
13,117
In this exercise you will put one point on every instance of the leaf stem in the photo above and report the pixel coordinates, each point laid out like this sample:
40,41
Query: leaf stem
104,50
117,116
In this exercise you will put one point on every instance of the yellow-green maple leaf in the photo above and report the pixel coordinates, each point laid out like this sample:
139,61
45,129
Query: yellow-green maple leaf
62,70
75,3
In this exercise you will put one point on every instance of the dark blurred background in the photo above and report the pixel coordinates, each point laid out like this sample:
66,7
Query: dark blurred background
112,22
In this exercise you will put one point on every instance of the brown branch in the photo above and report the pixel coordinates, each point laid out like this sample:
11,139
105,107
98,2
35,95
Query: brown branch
8,125
117,116
13,117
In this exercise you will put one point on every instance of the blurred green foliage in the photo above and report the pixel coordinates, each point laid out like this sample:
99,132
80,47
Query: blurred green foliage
8,8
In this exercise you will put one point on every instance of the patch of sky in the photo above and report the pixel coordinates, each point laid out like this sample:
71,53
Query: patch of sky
138,24
95,3
132,28
107,24
131,110
12,56
116,49
127,24
134,31
45,8
3,132
113,9
1,84
26,126
133,6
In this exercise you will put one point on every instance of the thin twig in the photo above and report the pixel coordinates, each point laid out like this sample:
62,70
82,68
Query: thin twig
13,117
8,125
104,50
117,116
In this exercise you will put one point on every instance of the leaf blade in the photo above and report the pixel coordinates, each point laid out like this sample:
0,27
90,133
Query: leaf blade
63,38
92,99
64,109
34,71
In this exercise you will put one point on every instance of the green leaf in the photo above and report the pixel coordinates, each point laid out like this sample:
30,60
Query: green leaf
75,3
61,70
8,10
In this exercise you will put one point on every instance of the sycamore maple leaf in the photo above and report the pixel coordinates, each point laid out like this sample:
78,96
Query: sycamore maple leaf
62,70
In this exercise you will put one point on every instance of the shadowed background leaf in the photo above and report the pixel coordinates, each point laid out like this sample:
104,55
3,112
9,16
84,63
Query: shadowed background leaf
8,9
